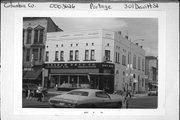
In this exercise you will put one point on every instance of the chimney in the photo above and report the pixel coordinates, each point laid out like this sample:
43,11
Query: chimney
141,46
137,44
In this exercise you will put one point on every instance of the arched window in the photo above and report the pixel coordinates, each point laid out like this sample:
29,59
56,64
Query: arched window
29,35
38,34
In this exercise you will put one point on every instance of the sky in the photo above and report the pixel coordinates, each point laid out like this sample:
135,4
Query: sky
136,28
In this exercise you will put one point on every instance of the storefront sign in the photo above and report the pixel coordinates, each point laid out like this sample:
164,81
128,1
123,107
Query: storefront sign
79,65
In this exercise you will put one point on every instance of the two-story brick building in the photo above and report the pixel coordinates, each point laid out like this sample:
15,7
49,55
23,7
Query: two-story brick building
96,59
34,38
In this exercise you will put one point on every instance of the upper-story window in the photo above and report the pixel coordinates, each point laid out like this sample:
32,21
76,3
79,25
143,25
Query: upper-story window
29,35
139,63
76,54
40,54
142,64
107,55
70,55
56,55
35,54
123,60
23,36
129,57
92,54
118,59
86,54
38,35
28,55
134,61
142,82
62,56
47,55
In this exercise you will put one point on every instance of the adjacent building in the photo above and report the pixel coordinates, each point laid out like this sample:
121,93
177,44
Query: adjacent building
98,59
151,71
34,38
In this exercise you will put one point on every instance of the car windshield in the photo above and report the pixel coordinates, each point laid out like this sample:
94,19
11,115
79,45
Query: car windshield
79,93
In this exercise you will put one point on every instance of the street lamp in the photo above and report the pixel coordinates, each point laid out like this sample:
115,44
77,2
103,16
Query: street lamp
130,67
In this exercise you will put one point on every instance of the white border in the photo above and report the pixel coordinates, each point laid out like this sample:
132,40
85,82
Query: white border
124,14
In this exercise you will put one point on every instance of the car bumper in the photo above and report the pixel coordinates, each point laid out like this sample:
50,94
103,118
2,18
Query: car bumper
62,104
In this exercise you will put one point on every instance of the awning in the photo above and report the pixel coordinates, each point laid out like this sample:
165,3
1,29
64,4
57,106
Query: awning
100,74
34,74
73,71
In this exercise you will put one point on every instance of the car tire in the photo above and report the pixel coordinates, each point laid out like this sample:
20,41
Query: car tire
119,104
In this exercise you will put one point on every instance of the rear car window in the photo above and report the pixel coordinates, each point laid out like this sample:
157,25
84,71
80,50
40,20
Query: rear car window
101,95
79,93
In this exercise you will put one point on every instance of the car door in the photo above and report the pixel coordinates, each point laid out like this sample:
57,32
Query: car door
103,99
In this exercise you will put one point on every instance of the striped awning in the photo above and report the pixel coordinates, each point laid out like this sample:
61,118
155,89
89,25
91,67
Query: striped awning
34,74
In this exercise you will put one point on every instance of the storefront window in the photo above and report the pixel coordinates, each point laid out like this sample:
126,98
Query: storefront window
73,79
63,79
83,80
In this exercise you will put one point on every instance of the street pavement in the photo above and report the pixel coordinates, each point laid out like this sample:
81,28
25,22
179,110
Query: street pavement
138,101
145,102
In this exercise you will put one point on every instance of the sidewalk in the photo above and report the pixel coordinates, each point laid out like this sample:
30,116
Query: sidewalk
140,95
54,91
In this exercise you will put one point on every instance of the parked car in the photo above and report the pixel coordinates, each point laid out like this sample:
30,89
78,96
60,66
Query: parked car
87,98
32,87
152,93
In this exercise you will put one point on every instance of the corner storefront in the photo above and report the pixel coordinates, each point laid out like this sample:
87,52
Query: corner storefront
69,76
